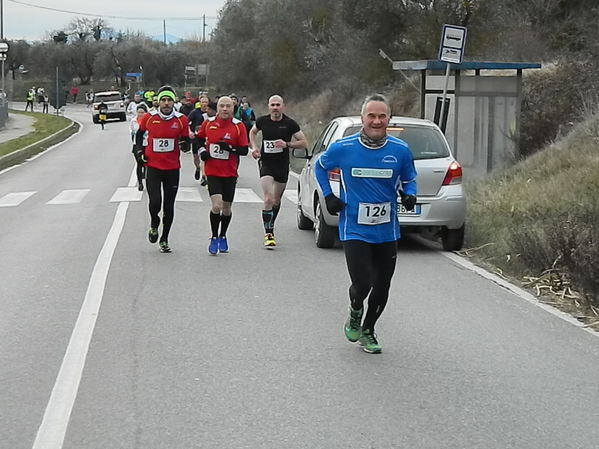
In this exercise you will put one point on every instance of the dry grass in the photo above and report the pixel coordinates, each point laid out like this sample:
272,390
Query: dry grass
537,221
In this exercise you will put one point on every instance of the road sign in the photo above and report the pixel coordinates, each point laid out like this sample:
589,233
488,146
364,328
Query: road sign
453,41
2,57
3,47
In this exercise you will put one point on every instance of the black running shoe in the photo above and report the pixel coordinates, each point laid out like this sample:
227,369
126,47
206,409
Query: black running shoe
164,248
197,174
153,235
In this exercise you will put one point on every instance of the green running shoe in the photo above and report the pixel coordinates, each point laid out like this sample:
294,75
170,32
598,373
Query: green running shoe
353,325
369,343
153,235
164,248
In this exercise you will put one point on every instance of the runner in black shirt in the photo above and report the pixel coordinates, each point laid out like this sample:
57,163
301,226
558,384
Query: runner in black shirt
279,134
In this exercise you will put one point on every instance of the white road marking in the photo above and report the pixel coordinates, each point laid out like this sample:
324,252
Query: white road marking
514,289
14,199
52,430
291,195
126,194
69,196
189,194
246,196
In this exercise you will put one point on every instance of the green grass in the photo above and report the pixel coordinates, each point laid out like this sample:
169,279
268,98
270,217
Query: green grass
44,125
537,221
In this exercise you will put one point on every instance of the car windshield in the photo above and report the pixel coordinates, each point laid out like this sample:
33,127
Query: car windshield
425,143
108,97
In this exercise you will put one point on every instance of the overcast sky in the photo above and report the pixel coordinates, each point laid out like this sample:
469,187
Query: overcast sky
33,23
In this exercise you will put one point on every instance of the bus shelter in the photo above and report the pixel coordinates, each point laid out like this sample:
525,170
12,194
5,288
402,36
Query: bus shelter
483,108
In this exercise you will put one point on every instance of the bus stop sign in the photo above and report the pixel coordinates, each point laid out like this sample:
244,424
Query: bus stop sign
453,41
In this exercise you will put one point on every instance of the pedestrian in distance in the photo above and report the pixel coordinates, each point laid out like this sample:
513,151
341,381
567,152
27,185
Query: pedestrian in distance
222,140
280,133
374,168
29,98
142,109
102,113
167,135
45,103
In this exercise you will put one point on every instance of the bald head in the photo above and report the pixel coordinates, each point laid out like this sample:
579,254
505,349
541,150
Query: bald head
276,106
224,107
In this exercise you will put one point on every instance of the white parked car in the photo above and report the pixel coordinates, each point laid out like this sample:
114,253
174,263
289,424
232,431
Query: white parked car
441,206
114,101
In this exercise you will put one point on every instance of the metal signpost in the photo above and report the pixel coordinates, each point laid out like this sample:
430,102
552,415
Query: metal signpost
3,51
451,50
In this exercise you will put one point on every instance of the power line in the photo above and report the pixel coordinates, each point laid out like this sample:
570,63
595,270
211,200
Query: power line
109,16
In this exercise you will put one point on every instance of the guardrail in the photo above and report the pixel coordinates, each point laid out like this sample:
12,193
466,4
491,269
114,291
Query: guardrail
3,109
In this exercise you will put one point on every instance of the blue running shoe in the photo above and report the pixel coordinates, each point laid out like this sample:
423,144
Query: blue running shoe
223,246
213,246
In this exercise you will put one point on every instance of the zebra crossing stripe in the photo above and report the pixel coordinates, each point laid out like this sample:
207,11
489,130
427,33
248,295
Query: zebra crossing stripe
126,194
69,196
246,196
14,199
189,194
291,195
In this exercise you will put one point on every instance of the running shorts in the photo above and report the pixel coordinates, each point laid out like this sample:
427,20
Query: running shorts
222,186
279,170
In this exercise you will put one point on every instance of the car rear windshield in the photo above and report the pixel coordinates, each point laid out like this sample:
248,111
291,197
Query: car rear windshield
109,97
425,143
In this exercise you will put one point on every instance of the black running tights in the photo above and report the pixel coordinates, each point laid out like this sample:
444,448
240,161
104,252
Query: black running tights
371,267
158,181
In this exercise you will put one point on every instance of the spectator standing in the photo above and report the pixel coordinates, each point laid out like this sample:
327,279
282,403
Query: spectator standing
74,93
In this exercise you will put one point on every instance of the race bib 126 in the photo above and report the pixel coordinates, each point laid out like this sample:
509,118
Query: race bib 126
374,213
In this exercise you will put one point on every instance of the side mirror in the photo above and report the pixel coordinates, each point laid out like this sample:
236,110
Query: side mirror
300,153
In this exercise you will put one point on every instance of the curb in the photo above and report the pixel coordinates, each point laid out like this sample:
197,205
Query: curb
19,156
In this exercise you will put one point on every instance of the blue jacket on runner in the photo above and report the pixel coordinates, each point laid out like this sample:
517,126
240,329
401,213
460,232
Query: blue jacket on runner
370,179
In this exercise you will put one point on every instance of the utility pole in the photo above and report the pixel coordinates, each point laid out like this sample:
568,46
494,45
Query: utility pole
2,19
164,30
203,28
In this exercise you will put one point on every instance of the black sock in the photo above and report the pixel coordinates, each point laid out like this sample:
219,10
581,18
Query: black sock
224,224
214,223
267,219
275,212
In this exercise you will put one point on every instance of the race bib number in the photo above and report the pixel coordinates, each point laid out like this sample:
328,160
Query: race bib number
217,153
269,147
163,145
374,213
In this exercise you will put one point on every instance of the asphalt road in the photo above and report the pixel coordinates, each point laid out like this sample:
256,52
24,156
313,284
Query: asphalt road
106,343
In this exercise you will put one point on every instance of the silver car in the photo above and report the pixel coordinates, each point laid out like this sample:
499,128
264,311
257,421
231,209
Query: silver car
441,207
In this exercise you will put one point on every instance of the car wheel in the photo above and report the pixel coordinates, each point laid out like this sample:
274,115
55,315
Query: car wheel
123,117
324,234
452,239
303,222
95,119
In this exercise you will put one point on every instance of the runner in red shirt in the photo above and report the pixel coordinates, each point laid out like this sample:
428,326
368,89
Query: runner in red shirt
168,134
223,139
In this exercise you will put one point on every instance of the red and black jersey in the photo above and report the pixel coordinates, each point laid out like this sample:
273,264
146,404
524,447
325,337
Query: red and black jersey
222,164
162,151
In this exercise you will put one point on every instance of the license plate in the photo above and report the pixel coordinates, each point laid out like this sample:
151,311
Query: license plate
403,211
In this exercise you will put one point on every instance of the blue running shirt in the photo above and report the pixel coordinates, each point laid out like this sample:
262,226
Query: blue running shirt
370,179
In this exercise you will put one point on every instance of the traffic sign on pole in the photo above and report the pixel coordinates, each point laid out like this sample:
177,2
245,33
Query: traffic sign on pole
453,41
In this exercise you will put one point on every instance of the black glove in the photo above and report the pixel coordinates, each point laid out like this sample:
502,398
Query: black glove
334,204
204,154
224,145
184,145
408,201
140,155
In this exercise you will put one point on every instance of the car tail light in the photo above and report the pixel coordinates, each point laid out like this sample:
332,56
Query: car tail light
453,175
334,175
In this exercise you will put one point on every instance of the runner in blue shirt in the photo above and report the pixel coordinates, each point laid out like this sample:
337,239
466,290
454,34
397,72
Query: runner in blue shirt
374,167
